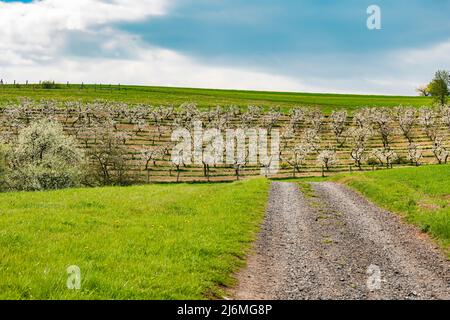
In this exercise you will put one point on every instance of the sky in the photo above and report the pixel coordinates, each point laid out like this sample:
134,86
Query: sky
282,45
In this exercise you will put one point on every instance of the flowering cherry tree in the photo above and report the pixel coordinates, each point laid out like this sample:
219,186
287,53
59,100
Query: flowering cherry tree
296,158
250,117
440,151
287,135
338,123
327,158
296,116
382,122
445,116
271,119
385,156
311,138
359,137
149,156
315,119
427,119
406,118
362,118
415,154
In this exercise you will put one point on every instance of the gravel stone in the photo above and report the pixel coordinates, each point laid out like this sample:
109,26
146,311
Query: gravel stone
328,246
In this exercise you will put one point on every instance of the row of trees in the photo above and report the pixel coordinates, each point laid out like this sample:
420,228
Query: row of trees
94,143
368,123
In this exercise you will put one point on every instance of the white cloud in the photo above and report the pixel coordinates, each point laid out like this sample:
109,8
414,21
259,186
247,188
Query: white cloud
36,31
153,67
34,49
402,71
39,40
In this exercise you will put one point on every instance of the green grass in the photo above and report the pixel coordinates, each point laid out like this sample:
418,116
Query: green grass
142,242
209,97
421,195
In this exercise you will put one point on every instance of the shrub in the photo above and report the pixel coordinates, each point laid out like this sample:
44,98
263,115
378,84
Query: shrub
49,85
402,160
43,158
371,161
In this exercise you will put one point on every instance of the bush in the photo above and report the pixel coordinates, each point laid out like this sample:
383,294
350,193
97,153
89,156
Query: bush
402,160
372,161
43,158
49,85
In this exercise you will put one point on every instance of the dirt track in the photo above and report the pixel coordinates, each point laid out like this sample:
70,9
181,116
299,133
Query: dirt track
337,245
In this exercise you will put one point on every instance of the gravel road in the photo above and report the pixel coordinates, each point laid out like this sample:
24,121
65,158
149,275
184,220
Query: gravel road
337,245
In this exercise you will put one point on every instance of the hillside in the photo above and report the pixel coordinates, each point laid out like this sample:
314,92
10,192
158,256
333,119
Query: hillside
206,97
145,133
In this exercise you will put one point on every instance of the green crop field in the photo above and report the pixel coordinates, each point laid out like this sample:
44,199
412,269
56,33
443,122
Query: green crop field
206,97
420,195
143,242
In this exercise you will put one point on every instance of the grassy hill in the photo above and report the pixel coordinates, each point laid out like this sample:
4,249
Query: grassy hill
144,242
206,97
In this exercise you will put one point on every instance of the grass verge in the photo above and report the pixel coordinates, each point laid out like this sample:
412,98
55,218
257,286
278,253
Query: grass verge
143,242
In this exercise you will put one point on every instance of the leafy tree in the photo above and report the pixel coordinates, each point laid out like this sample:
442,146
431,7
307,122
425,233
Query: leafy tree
444,76
439,87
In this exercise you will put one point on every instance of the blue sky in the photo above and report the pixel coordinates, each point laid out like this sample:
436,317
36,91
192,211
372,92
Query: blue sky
302,45
290,27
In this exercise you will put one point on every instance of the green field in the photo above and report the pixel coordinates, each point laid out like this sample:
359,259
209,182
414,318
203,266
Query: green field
420,195
207,97
143,242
